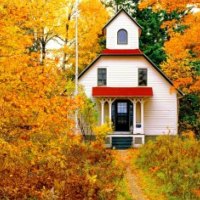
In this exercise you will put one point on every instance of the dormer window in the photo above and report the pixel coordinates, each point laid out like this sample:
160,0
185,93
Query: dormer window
122,37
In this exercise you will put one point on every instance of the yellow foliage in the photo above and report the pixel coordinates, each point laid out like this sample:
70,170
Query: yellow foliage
188,134
101,131
183,49
169,5
90,26
41,157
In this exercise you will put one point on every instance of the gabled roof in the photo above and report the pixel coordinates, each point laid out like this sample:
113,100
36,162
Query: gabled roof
120,11
137,54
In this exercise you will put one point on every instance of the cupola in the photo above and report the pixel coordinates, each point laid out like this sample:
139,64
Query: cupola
122,32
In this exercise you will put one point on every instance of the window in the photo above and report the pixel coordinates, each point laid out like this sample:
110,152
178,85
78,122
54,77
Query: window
142,77
122,37
101,76
122,107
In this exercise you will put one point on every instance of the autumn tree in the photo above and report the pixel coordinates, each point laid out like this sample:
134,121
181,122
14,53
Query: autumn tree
182,49
44,21
41,157
89,29
169,5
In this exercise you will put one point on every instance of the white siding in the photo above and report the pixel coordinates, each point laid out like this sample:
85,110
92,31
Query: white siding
122,21
160,114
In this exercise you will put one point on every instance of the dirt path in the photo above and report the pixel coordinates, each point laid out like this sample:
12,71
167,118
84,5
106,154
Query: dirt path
135,190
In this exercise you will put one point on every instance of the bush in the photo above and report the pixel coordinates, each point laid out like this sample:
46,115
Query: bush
175,163
59,168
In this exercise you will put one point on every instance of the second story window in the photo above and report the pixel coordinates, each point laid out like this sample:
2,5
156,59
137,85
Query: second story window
142,77
122,37
101,77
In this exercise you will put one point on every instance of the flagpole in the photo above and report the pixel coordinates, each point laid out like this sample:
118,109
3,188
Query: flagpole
76,63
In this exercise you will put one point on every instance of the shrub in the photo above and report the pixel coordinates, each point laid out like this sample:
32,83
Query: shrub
59,168
175,163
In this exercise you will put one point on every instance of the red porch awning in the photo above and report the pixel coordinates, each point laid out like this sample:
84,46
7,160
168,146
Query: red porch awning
122,92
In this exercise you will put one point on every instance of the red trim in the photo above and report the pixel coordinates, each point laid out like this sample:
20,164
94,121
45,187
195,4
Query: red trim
122,91
122,51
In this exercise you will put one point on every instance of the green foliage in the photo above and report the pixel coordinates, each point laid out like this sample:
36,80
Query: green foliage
175,164
87,117
196,67
153,36
190,113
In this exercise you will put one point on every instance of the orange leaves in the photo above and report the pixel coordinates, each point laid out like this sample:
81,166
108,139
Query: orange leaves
41,157
182,50
196,86
168,5
183,83
183,46
197,192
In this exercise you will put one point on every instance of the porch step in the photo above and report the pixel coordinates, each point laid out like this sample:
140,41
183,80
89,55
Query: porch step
122,142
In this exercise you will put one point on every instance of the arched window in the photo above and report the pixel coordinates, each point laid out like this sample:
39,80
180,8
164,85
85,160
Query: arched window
122,37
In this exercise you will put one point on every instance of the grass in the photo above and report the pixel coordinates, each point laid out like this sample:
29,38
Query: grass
124,192
149,186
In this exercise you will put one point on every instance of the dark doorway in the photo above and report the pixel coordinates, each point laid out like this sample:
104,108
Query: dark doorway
122,115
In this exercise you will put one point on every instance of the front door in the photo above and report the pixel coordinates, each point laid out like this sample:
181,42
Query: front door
122,116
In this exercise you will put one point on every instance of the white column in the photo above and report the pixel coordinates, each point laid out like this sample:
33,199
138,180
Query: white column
142,115
110,109
102,111
134,116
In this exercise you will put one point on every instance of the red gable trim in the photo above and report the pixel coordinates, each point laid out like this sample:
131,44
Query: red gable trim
122,91
122,51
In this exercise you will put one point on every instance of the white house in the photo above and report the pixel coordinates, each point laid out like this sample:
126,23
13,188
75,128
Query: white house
128,88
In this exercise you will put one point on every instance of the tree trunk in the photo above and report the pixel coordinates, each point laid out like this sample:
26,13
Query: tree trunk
43,50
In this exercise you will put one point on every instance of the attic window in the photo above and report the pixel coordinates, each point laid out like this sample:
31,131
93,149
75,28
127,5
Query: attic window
122,37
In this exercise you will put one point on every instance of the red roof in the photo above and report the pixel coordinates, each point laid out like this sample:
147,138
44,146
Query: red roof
122,91
122,51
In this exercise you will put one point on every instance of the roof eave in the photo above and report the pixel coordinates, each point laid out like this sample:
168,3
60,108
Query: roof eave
161,72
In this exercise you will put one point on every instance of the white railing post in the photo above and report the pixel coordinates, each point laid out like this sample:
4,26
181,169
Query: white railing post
134,116
142,115
110,109
102,111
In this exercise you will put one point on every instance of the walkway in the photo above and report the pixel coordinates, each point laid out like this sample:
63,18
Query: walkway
131,178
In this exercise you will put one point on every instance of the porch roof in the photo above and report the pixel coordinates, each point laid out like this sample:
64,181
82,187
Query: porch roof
122,91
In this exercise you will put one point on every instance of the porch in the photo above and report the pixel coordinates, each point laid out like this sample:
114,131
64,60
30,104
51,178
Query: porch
126,115
124,107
